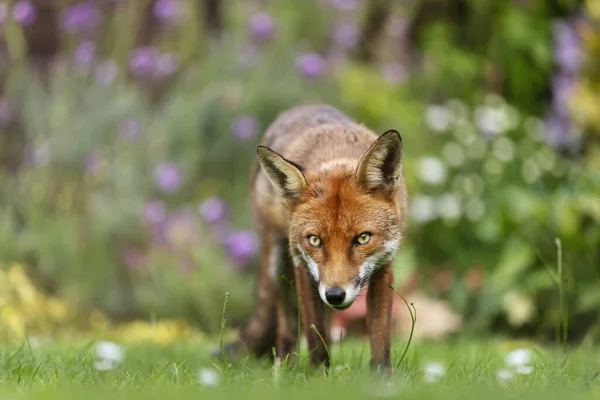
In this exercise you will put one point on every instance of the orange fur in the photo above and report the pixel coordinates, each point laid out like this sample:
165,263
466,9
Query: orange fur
330,203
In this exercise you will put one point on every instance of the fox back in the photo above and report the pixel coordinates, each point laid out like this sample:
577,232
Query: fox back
335,189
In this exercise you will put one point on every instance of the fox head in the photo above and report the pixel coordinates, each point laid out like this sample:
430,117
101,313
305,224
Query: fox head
345,221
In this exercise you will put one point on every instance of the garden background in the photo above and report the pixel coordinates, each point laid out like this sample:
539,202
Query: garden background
128,130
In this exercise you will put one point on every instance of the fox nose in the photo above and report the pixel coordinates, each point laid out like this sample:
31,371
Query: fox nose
335,296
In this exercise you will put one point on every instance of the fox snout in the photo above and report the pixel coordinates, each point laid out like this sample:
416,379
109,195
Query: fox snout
339,297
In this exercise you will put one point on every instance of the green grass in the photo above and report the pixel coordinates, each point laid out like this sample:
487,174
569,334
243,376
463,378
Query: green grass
66,370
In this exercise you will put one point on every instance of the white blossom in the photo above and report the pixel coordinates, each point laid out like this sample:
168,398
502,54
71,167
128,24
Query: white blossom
504,375
422,208
438,118
434,371
208,377
432,170
109,351
519,357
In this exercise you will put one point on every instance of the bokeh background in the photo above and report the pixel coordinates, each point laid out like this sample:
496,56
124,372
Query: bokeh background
128,130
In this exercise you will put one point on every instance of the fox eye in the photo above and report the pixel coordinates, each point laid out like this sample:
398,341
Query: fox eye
363,238
314,241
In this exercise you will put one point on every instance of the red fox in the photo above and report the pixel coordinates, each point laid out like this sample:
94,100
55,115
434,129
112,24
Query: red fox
330,201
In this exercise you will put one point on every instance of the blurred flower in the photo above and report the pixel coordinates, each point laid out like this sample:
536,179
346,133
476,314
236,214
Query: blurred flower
394,73
504,375
434,371
94,162
422,208
311,65
262,26
24,12
242,245
432,170
130,128
519,309
504,149
244,127
438,118
345,35
491,120
562,87
155,212
453,153
524,369
142,61
85,53
213,210
568,53
133,258
475,209
559,130
109,351
106,72
168,177
167,10
81,17
531,171
345,5
166,65
208,377
448,206
519,357
181,230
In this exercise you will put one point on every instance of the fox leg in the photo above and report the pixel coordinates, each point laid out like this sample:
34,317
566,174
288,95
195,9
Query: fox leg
287,311
259,333
379,318
312,311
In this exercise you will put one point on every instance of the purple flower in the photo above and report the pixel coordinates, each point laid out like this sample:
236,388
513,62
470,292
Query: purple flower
85,53
559,131
242,245
213,210
345,35
142,61
133,258
262,26
166,64
568,53
155,212
130,128
24,12
311,65
562,86
345,5
93,162
166,10
244,127
168,177
106,72
82,17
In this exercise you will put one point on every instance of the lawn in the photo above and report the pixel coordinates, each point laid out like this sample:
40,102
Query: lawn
460,368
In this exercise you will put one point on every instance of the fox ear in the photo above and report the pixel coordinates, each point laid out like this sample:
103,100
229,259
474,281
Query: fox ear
284,175
380,166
